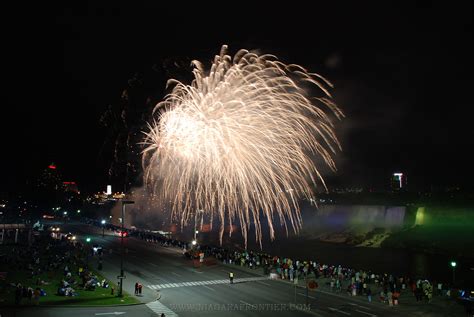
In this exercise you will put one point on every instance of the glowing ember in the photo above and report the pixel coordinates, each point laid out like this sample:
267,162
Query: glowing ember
241,140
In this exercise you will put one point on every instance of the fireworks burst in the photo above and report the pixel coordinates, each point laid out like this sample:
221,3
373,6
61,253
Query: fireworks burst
241,142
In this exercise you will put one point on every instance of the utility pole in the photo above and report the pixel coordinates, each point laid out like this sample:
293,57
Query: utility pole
121,277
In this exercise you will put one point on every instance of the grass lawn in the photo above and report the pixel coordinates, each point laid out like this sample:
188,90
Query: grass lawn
98,297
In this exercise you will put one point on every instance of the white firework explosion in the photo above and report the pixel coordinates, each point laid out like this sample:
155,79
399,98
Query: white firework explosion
241,142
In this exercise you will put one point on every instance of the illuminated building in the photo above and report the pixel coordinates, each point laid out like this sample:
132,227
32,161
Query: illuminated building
50,179
71,187
398,182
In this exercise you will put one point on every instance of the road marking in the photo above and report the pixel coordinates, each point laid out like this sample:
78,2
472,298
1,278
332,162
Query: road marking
243,302
364,307
352,298
176,274
158,308
209,288
339,311
152,264
114,313
308,295
209,282
363,312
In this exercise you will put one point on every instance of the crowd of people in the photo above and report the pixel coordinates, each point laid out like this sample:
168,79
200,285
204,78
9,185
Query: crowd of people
38,264
386,287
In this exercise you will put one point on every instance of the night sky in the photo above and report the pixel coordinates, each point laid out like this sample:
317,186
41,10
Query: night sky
402,75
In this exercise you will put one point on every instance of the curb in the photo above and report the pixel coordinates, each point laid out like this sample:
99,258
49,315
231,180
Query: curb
84,306
75,306
68,306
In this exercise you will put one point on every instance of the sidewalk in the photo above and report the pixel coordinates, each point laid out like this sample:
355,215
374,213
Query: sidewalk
407,302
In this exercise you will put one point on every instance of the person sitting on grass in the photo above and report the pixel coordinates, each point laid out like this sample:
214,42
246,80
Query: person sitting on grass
104,283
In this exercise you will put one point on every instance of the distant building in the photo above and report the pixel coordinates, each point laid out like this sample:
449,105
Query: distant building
398,182
71,187
50,179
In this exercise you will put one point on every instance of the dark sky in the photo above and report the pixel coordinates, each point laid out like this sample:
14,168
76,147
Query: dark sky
403,76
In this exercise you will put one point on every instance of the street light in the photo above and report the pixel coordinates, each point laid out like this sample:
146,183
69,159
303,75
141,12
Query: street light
88,240
103,227
194,242
453,265
195,225
121,277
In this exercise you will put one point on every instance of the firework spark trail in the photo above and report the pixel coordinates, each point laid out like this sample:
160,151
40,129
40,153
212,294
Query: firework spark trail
241,140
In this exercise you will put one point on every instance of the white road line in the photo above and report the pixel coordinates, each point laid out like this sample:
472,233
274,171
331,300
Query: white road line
363,312
352,298
209,288
305,295
260,282
158,308
152,264
208,282
360,306
339,311
243,302
176,274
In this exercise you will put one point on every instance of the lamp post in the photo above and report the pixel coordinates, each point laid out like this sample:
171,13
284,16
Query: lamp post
103,227
121,277
88,240
195,227
453,265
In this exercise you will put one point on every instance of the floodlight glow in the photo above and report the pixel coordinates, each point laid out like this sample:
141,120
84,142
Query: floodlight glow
399,177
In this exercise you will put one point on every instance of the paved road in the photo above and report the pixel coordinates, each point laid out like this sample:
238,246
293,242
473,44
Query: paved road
206,291
187,291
